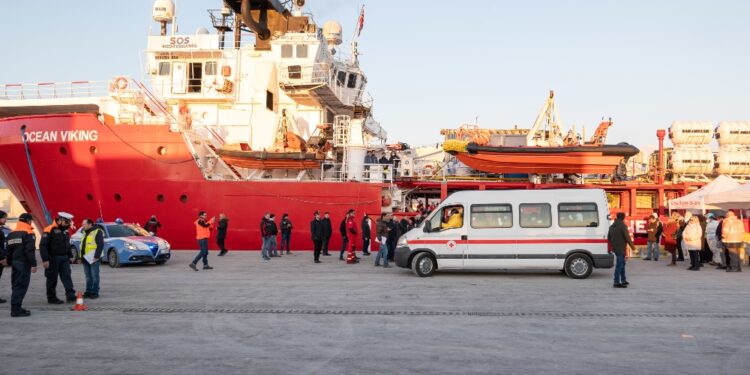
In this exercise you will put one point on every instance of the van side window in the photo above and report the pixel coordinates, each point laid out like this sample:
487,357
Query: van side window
577,215
535,215
491,216
449,217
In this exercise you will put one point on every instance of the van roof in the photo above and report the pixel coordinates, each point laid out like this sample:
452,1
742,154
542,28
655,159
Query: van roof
472,195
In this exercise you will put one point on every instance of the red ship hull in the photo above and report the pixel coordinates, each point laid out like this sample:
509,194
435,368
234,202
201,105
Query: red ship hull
95,170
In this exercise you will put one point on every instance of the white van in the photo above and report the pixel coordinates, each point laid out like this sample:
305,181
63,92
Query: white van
558,229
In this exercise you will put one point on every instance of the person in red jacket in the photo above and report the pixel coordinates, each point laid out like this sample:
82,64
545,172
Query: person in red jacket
202,233
351,233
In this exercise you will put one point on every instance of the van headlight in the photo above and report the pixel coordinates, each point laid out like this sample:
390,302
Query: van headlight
402,242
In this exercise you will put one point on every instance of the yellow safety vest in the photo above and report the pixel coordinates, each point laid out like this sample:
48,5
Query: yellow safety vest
89,242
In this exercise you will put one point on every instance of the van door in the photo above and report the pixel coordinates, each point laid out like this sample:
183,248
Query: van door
179,78
446,236
490,242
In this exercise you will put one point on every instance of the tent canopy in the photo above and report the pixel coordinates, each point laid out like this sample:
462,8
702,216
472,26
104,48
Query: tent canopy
697,199
735,198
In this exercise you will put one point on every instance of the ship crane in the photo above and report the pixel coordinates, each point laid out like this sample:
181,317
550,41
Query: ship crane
547,127
600,135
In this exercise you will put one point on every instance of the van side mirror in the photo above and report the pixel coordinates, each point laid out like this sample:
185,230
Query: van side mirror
427,227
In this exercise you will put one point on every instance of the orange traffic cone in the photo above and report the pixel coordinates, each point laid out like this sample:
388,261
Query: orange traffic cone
80,306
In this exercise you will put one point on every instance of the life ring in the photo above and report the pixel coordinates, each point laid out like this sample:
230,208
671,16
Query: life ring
385,201
120,83
428,170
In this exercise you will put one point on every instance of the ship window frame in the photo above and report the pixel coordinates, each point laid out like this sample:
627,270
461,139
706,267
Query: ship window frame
165,68
341,78
287,51
352,80
210,68
301,48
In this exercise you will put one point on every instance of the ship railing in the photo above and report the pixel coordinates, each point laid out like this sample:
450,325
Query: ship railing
369,173
53,90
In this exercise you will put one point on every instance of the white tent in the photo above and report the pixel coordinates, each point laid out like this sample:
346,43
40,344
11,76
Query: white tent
732,199
697,199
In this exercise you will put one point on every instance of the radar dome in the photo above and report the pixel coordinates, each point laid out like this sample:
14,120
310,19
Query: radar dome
332,32
201,31
163,10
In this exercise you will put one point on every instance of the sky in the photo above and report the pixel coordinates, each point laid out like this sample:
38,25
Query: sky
438,64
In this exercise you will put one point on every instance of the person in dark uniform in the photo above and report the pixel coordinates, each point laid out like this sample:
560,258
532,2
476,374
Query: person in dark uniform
366,235
286,233
21,247
393,234
152,225
316,234
4,231
619,239
221,234
344,237
57,257
327,233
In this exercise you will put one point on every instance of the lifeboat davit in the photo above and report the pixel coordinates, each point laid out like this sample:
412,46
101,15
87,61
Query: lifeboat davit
594,159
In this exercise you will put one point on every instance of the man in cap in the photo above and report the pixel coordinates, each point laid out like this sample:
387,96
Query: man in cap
4,231
21,256
57,257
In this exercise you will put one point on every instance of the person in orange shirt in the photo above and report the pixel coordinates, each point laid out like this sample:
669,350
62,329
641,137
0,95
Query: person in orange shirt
202,233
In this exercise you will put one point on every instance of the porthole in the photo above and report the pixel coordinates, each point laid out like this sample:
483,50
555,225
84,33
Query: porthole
89,197
93,150
160,197
183,198
63,150
118,197
161,150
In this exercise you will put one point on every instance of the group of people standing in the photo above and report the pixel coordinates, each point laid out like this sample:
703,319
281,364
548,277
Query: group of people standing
716,240
18,251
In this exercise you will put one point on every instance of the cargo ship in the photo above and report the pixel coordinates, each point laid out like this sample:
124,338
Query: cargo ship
263,114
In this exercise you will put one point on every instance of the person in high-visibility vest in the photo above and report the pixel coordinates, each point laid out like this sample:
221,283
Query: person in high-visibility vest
92,243
202,233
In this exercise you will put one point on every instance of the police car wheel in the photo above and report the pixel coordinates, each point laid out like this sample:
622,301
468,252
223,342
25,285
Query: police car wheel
578,266
424,265
112,258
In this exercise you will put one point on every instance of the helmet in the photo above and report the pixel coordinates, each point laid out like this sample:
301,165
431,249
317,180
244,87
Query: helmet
26,217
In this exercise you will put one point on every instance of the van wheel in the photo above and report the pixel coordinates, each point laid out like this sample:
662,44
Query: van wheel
578,266
424,265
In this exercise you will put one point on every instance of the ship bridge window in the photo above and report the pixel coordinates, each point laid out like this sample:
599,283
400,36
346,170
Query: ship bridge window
196,77
287,52
302,51
210,68
340,78
352,83
164,68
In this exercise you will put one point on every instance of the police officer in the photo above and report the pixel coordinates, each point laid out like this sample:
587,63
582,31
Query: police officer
57,257
21,247
4,231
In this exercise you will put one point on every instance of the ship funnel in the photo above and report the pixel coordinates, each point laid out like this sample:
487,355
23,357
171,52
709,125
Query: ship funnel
244,10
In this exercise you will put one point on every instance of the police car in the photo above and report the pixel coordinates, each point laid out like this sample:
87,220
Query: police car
127,244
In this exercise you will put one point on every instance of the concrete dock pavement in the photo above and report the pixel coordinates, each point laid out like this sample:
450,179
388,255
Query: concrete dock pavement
291,316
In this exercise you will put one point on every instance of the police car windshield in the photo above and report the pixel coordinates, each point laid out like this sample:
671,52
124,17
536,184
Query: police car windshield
122,231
